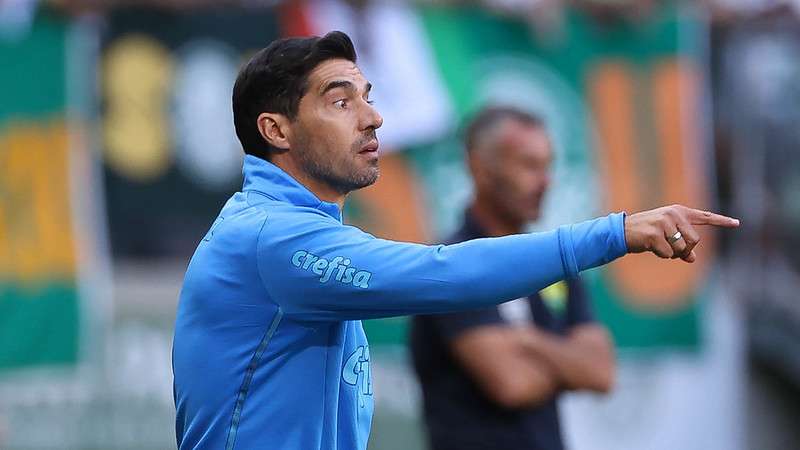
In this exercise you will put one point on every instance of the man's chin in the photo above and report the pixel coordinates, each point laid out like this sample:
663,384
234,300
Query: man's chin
371,178
364,179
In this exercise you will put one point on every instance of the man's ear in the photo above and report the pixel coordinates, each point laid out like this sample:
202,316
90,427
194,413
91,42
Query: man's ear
274,128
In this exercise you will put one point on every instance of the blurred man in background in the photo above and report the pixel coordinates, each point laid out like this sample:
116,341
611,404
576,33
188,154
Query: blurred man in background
491,377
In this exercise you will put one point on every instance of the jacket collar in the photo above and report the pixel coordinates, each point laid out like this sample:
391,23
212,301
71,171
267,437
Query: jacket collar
268,179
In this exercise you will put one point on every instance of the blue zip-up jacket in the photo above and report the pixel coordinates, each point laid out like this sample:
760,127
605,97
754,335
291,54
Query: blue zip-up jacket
269,352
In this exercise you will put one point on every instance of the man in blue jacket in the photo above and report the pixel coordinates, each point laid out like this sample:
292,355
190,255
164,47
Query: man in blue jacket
269,351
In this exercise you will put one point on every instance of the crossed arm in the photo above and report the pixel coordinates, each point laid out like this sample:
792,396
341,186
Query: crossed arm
522,366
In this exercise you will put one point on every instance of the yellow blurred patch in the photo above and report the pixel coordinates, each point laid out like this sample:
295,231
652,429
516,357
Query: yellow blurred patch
555,296
137,78
36,233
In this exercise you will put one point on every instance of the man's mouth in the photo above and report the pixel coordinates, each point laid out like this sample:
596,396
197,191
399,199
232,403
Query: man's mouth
371,146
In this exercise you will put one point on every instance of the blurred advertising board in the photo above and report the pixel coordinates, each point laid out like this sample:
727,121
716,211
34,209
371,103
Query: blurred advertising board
757,108
54,277
166,123
40,317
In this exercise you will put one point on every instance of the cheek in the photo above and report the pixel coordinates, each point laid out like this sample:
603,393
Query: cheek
322,136
519,183
507,190
520,192
533,182
335,134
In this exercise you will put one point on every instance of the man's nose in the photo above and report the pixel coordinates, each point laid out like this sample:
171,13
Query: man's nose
372,118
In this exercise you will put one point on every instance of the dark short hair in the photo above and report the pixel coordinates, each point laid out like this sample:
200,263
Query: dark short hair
489,117
276,78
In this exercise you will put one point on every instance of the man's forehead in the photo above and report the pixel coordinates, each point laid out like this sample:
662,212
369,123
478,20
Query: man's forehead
515,134
336,69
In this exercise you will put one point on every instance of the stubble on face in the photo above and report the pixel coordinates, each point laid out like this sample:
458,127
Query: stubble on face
338,169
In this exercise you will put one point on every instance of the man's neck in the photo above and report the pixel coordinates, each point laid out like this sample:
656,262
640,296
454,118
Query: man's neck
322,190
493,222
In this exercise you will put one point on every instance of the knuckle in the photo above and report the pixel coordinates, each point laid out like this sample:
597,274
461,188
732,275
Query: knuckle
676,214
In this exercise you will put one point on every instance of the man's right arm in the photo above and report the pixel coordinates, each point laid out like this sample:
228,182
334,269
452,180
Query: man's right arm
318,269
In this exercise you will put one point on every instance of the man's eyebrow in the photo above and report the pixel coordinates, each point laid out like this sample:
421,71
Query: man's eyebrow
343,84
337,84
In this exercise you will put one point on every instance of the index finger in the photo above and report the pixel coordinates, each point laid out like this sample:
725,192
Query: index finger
698,217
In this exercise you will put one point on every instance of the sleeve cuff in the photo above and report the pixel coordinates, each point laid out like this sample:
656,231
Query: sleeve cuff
568,260
619,244
592,243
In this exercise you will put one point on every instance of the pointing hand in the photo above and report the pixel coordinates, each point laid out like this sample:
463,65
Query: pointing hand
669,231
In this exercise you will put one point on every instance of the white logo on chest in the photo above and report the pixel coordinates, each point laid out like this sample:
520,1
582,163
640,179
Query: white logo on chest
356,372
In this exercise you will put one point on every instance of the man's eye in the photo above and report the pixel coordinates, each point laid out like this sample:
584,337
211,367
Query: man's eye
342,104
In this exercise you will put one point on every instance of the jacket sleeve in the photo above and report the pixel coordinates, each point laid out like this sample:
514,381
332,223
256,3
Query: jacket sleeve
315,268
